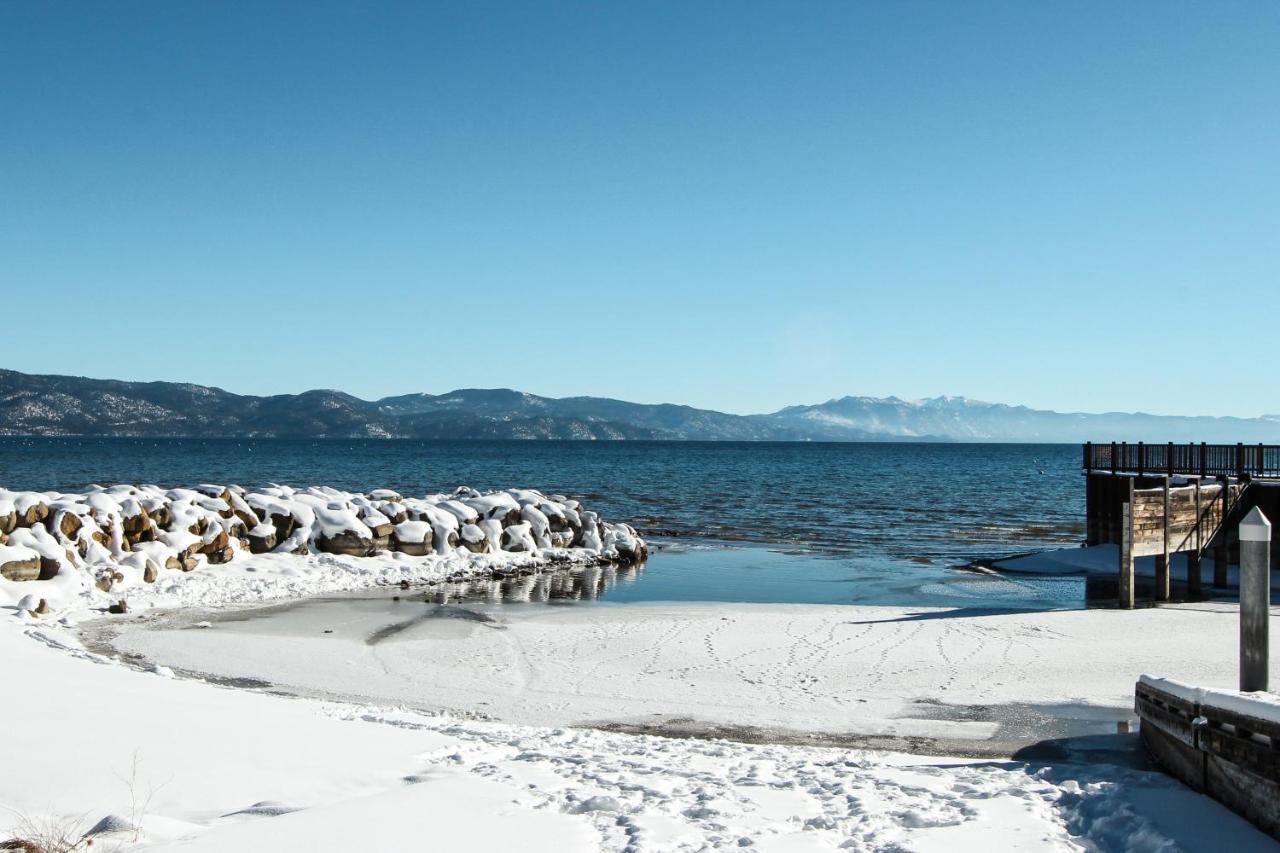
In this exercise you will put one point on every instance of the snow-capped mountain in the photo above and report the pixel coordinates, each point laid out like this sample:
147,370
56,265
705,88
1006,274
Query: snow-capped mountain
64,405
962,419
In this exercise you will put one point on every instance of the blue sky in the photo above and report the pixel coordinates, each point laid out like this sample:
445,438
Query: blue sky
732,205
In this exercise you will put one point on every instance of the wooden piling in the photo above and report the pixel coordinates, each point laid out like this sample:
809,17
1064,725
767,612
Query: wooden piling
1162,559
1220,552
1193,555
1126,547
1255,600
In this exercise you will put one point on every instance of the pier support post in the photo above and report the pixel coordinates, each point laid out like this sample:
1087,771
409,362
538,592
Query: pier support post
1162,559
1255,599
1126,546
1220,550
1197,545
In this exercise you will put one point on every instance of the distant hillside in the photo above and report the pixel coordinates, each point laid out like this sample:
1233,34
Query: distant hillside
65,405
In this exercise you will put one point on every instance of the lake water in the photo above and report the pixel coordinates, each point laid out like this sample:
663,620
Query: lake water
870,523
733,572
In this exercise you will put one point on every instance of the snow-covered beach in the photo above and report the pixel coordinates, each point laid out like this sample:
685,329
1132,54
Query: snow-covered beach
325,700
188,765
954,680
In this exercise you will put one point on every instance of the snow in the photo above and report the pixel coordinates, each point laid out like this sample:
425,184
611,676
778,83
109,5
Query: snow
198,767
1262,706
1178,689
795,670
16,553
1105,560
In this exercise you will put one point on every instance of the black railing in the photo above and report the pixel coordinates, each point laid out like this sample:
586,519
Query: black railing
1204,460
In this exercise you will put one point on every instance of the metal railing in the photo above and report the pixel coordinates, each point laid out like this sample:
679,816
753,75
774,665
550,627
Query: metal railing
1203,460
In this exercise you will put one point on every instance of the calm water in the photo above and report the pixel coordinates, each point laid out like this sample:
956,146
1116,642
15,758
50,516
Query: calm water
930,502
757,574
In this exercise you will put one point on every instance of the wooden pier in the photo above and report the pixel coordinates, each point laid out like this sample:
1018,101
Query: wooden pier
1164,499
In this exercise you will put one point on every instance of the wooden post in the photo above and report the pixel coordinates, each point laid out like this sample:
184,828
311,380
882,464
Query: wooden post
1255,599
1162,559
1239,461
1113,457
1088,456
1204,459
1220,555
1126,547
1168,460
1142,458
1090,509
1193,556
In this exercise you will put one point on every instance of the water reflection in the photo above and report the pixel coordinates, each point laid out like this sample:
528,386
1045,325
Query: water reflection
579,584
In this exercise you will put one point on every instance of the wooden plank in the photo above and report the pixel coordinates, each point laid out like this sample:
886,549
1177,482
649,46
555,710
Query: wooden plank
1254,797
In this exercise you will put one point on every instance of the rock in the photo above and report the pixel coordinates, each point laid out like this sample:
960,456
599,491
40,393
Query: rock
49,567
147,533
215,543
518,538
351,544
134,519
151,572
68,524
9,522
379,525
161,516
473,539
412,537
284,523
119,608
395,512
217,558
35,514
262,539
19,564
42,608
211,490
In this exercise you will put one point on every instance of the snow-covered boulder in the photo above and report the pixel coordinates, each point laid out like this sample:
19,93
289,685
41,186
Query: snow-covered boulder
412,538
18,563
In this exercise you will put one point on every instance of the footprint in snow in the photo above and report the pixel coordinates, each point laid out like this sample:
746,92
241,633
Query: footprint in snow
266,808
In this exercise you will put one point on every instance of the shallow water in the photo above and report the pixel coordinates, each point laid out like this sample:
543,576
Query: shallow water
752,574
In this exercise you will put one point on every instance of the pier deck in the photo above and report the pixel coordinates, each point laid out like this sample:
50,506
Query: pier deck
1161,499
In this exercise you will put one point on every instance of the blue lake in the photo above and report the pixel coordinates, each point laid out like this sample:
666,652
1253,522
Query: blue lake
862,522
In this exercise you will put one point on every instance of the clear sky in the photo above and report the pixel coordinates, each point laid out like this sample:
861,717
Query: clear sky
733,205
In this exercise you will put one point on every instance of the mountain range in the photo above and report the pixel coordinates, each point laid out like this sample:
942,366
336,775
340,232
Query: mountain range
66,405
